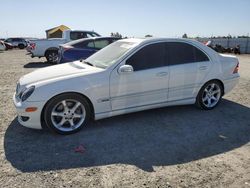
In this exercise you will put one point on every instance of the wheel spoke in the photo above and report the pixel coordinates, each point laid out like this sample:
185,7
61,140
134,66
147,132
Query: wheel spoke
76,106
209,102
215,100
212,87
60,124
71,122
64,103
78,115
205,98
215,92
57,114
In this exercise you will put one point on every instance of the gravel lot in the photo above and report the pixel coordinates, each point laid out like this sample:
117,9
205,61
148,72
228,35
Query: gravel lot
169,147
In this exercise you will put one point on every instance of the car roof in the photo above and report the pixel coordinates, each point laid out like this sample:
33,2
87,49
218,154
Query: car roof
156,39
142,41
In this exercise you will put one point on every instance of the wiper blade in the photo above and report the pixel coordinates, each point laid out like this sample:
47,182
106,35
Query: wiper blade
88,63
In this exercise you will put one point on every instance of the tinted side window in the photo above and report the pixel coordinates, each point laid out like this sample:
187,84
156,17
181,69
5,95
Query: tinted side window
8,40
91,44
181,53
80,44
200,56
151,56
99,44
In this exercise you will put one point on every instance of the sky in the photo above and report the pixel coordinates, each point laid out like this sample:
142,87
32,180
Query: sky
132,18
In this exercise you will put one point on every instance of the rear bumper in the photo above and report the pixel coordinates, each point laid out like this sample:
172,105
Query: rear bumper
229,84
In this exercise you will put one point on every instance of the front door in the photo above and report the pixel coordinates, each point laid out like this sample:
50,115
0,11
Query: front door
147,84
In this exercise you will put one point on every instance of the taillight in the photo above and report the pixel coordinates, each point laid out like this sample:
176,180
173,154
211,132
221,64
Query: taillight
236,69
66,48
32,46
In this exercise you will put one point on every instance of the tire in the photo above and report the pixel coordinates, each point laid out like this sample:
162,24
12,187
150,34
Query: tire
52,56
21,46
209,95
67,113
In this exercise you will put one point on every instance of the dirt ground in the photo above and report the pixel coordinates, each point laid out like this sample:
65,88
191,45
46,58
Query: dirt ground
168,147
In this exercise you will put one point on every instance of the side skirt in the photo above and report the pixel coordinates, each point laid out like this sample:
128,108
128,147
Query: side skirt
145,107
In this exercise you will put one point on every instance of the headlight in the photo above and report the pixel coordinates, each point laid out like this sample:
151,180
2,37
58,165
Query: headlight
27,92
17,88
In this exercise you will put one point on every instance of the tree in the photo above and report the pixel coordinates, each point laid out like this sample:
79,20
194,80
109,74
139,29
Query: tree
148,35
118,35
185,36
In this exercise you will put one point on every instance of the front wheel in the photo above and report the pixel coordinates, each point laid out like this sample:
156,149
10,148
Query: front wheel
67,113
209,95
21,46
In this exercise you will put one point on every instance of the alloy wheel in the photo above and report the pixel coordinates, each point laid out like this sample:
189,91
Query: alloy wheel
211,95
68,115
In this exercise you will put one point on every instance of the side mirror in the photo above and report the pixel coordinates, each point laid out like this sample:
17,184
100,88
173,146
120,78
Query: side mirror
125,69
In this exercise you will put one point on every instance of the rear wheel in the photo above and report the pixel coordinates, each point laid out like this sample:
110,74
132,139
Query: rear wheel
67,113
52,56
209,95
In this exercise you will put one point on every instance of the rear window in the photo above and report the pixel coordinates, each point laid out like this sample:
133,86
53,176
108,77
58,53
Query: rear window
74,35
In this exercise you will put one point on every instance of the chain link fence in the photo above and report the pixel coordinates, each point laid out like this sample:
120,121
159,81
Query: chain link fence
244,43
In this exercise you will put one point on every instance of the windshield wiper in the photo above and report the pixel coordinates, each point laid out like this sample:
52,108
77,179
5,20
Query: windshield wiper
88,63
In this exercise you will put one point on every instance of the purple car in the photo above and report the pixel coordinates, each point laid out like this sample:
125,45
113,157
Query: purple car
83,48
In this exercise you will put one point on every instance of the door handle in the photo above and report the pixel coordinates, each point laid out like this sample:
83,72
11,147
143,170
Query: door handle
203,68
160,74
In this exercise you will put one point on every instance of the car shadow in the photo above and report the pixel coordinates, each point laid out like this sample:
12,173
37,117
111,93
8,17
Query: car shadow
37,64
159,137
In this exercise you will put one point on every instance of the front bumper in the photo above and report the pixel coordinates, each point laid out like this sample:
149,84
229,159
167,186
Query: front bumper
34,120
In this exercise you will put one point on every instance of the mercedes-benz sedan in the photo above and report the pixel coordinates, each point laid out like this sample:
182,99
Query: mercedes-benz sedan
127,76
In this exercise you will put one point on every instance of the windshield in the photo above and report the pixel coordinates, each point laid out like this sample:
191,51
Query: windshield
108,55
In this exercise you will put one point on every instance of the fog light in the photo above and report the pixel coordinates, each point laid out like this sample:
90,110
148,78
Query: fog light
25,118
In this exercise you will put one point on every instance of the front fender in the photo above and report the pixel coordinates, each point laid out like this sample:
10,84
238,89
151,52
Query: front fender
93,87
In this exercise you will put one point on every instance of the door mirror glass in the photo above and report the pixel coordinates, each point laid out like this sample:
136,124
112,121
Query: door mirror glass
125,69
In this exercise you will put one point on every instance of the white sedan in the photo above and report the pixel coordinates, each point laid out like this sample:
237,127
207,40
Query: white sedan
127,76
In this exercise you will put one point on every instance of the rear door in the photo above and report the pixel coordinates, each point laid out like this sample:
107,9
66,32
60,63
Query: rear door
81,50
188,66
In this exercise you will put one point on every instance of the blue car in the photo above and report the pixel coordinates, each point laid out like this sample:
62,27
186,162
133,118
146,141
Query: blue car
83,48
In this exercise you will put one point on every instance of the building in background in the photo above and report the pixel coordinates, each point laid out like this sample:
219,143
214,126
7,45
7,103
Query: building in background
56,32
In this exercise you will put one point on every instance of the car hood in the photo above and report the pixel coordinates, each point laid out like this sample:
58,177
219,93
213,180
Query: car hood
76,68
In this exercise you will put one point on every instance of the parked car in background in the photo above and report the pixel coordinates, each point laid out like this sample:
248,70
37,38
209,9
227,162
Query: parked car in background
8,46
83,48
2,46
17,42
49,47
126,76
